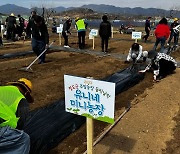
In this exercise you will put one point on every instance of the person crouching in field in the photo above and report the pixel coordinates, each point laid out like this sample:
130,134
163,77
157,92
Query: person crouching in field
105,33
162,33
14,112
136,54
161,64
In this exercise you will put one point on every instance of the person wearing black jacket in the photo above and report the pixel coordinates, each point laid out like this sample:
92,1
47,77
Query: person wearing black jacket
30,22
147,29
1,42
161,64
33,13
174,33
105,33
21,25
40,36
66,32
11,27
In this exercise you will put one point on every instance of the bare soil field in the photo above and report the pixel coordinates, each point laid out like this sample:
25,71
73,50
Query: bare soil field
152,124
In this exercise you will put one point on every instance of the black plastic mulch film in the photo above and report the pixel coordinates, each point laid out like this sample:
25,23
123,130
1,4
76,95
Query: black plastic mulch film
48,126
18,54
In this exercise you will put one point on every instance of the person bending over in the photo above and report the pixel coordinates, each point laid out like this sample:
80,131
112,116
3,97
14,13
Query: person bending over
161,64
14,111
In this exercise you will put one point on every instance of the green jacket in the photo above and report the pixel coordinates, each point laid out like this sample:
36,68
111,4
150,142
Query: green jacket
81,26
10,97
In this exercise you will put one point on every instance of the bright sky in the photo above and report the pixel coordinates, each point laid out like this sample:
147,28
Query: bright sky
163,4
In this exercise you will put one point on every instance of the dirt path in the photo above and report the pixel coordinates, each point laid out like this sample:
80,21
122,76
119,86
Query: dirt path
149,123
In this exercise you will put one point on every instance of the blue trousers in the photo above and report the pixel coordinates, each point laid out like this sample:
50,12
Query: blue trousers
13,141
38,47
81,39
161,40
176,37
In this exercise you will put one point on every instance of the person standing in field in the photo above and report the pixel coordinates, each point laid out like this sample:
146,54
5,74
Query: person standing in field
174,34
162,33
81,26
66,32
40,36
147,29
21,25
1,42
11,27
30,23
105,33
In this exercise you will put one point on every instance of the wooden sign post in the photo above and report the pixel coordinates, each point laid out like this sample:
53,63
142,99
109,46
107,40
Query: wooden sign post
59,30
89,128
91,98
112,32
92,34
60,39
93,42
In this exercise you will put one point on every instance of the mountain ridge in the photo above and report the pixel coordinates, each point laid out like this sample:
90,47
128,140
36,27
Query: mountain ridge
102,8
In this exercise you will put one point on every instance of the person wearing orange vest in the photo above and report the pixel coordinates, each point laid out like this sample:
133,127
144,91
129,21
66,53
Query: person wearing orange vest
81,26
14,111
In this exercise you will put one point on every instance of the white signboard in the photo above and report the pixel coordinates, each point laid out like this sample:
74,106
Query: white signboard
136,35
61,25
94,32
91,37
90,98
59,29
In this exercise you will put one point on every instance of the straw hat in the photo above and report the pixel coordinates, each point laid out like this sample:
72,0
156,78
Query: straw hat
12,14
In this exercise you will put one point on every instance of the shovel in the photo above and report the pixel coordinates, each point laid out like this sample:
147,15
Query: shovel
28,68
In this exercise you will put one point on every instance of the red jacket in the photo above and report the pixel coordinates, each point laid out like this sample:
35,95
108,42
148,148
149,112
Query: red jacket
162,30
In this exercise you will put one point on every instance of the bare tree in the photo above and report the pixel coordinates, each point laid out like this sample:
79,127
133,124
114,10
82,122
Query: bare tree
45,9
174,11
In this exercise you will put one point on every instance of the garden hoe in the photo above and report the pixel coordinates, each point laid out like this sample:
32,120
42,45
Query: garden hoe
28,68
